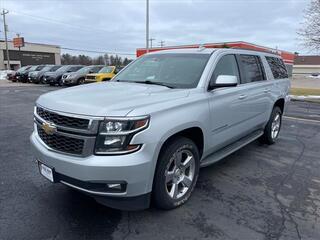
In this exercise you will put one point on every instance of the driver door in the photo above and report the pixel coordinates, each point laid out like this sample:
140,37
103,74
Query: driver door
225,105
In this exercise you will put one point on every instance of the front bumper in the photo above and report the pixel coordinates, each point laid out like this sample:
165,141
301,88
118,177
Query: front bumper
69,81
33,79
132,169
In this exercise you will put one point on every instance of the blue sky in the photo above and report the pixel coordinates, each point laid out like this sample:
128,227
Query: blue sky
119,25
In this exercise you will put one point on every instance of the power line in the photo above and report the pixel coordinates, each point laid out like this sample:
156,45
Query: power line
96,51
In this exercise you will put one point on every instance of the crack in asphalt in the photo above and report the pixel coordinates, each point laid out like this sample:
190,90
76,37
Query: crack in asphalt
283,209
128,227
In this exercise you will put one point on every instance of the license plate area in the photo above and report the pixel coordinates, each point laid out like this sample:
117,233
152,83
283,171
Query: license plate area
46,171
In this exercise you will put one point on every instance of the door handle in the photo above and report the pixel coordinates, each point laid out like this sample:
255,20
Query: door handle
267,90
242,96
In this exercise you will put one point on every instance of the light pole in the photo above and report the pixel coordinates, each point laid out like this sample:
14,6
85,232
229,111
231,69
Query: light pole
147,26
4,12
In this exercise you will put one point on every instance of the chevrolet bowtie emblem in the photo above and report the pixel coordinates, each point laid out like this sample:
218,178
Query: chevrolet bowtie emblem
49,128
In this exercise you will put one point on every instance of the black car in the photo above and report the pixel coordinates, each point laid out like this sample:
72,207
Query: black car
54,78
23,75
37,76
19,72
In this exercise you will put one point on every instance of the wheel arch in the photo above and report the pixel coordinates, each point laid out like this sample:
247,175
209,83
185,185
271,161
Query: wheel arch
280,103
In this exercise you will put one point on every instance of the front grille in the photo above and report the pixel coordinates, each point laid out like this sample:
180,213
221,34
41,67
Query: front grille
63,121
61,143
91,77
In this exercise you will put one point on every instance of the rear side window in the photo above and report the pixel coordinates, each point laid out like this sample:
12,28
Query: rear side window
227,65
278,68
251,68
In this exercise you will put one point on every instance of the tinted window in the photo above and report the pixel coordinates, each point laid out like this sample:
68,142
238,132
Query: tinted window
180,70
95,69
75,68
277,67
227,65
251,69
54,68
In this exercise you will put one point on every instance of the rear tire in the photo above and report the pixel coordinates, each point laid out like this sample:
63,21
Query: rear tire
272,129
176,173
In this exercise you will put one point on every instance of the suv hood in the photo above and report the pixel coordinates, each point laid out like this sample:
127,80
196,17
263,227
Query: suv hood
109,98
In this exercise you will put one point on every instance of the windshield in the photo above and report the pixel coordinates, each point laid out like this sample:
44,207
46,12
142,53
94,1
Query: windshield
106,70
39,68
84,69
23,68
175,70
33,68
55,68
63,68
46,68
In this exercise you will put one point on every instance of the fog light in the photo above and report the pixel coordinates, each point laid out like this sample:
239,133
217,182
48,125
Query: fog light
116,186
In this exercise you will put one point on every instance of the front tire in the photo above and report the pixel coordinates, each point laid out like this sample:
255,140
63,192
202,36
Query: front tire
80,81
176,174
272,129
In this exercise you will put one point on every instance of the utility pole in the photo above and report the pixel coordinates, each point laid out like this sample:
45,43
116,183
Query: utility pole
151,41
147,26
4,12
161,43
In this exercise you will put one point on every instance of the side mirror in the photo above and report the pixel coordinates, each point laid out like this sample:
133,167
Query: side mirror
224,81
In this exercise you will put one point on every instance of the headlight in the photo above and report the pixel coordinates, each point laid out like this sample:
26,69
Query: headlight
115,135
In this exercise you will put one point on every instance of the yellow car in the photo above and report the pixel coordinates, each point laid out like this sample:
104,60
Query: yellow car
105,74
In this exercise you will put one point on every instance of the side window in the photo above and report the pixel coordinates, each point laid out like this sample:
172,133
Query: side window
278,68
251,68
227,65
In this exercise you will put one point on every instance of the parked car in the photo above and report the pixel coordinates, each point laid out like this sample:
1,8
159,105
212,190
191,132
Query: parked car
7,74
21,71
37,76
78,77
149,130
11,74
23,75
105,74
54,78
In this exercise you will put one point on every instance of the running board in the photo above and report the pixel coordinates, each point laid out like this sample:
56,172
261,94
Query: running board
222,153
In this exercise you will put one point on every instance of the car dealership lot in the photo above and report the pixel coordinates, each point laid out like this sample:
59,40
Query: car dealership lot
259,192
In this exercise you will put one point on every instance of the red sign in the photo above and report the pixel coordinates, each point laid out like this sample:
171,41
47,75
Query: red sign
18,42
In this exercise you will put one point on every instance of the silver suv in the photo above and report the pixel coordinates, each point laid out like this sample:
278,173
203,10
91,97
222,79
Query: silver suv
144,135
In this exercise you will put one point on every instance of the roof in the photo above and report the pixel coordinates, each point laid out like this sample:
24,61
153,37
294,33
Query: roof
188,50
307,60
211,50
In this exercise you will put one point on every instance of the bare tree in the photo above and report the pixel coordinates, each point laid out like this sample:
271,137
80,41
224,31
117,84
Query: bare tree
310,30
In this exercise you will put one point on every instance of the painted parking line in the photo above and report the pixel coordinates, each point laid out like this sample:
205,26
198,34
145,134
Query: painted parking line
302,119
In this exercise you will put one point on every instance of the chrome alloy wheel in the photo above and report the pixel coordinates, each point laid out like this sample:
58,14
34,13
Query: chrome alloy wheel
180,173
275,126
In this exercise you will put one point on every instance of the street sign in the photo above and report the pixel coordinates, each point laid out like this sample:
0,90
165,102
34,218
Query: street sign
18,42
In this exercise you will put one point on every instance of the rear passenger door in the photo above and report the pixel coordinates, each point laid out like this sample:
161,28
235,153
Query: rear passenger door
255,88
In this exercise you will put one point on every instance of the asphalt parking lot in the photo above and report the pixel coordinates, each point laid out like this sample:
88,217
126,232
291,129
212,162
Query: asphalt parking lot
259,192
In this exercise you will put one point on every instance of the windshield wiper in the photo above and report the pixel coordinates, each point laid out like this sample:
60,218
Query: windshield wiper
155,83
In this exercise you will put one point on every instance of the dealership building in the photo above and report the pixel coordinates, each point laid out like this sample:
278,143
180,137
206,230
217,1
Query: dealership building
29,54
